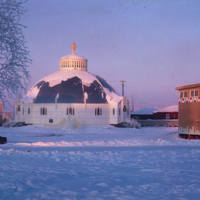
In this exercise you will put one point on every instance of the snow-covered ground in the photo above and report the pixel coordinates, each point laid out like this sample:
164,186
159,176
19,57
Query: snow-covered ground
98,163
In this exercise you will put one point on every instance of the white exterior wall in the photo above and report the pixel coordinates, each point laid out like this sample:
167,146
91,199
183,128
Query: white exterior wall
124,115
84,113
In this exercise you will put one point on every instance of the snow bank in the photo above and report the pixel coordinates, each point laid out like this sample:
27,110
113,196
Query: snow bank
98,163
93,136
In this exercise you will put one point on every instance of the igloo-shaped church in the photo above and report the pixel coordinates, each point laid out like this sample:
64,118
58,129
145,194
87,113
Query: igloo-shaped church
72,95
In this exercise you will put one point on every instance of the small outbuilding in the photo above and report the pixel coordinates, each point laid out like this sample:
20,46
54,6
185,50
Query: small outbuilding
143,114
167,116
189,111
168,113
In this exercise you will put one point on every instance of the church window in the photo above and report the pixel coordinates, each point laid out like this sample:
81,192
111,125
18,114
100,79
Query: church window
113,111
43,111
70,111
29,111
98,111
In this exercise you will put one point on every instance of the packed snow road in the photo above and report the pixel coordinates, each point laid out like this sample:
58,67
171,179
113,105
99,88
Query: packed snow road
98,163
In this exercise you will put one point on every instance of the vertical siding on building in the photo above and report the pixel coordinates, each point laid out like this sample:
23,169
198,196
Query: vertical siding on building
189,111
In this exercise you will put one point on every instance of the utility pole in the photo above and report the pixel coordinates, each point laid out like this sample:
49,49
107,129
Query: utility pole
132,102
122,81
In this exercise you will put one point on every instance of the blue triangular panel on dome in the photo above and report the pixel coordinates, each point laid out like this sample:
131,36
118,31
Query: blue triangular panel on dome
105,84
95,93
70,91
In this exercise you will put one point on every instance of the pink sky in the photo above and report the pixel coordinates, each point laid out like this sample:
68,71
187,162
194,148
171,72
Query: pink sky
152,44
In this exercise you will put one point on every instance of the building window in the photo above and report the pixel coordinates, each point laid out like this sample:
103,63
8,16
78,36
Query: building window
98,111
185,94
43,111
29,111
181,95
50,121
113,111
194,93
70,111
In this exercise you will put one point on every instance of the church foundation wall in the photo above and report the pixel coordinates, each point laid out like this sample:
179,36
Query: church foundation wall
84,114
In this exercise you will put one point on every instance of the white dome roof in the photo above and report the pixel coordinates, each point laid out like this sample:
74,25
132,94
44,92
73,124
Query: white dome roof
73,87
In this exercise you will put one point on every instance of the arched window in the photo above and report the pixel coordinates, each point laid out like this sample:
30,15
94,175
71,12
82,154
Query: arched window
70,111
98,111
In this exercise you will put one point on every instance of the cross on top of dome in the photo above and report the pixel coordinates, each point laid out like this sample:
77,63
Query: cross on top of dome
73,61
73,48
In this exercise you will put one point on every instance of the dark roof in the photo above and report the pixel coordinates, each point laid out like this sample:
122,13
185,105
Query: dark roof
71,91
190,86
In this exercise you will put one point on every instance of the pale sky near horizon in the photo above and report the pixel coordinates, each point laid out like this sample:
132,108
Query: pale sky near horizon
152,44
